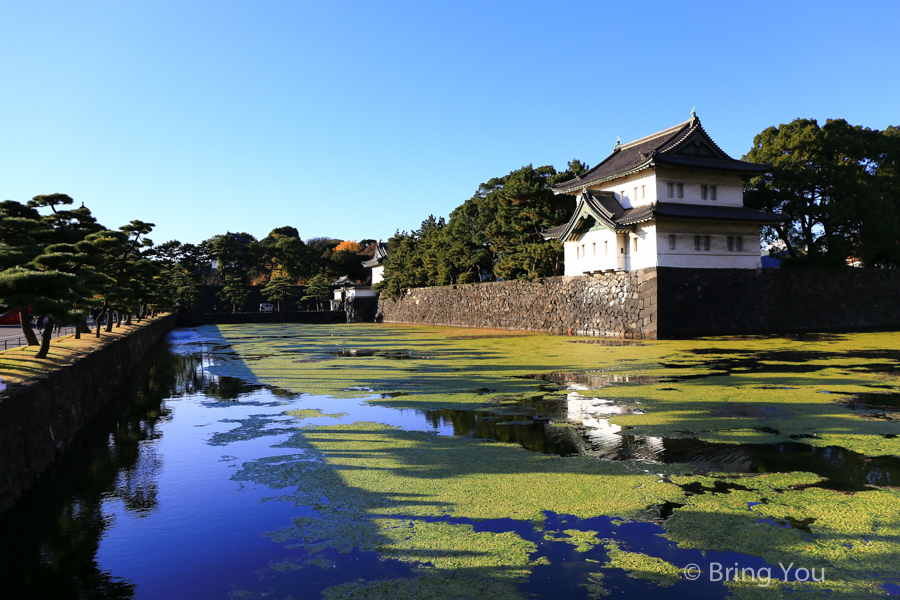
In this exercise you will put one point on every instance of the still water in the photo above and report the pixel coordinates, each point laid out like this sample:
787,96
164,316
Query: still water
144,506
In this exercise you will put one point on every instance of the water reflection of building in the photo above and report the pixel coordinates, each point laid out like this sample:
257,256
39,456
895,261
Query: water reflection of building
592,416
589,380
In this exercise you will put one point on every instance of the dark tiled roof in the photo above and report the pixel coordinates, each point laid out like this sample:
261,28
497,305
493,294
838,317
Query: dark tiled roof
684,145
379,253
712,164
638,213
625,219
606,203
703,212
554,232
601,206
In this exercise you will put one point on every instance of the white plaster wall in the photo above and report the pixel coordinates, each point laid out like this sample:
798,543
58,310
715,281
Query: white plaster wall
718,256
646,178
361,293
377,274
729,187
591,262
645,255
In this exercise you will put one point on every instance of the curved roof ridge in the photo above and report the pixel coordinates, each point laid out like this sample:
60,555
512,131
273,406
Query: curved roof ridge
647,138
675,142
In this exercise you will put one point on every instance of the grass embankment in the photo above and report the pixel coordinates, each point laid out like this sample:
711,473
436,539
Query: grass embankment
18,365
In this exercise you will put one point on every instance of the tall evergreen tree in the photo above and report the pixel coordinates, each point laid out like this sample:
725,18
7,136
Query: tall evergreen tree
834,183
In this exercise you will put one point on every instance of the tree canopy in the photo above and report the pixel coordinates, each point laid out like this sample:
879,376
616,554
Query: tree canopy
838,185
495,234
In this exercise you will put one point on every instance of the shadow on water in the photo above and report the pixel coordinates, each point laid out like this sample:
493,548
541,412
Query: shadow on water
51,537
579,425
730,360
567,571
873,402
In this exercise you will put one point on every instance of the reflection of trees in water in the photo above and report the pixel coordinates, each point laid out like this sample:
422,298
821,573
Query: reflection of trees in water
51,538
192,379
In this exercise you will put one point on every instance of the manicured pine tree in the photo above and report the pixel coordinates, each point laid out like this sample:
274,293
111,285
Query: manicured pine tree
278,289
317,289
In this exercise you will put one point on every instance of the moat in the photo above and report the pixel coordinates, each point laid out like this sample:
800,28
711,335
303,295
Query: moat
364,461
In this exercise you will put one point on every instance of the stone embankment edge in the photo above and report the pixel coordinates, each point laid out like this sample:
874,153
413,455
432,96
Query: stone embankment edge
621,305
39,419
664,303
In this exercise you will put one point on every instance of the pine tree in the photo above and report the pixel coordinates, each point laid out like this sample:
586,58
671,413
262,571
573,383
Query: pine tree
317,289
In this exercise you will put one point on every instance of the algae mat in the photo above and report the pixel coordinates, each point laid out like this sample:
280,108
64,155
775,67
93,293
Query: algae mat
424,499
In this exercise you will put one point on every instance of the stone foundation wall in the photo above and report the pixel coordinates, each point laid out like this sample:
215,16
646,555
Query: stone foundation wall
361,309
665,303
615,304
40,419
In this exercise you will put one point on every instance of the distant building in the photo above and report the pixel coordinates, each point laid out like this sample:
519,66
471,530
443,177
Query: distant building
345,288
671,199
376,262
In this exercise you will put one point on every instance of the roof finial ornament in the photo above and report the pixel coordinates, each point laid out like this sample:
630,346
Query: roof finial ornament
694,114
618,142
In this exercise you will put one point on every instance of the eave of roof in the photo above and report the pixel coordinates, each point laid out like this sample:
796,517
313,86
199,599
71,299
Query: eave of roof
372,262
701,212
601,206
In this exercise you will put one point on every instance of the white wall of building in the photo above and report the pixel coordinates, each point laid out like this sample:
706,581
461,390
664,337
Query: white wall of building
361,292
729,187
643,184
685,254
596,251
603,250
653,248
644,253
377,274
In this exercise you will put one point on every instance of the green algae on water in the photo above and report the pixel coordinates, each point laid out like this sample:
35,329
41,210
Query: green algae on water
638,565
374,487
311,413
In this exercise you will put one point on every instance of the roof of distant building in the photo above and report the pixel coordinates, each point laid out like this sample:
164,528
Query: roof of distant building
378,255
685,145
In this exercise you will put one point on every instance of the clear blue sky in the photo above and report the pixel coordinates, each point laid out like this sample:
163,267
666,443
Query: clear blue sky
354,119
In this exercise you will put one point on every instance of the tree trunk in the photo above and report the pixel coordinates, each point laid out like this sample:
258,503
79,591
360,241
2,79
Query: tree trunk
128,319
109,320
99,321
25,322
45,339
83,326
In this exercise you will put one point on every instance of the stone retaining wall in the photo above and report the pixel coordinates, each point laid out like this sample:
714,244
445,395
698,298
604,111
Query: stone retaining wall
40,418
697,302
665,303
615,304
